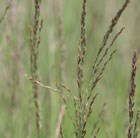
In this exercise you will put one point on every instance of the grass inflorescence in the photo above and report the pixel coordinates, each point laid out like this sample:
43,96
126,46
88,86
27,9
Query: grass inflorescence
34,49
133,124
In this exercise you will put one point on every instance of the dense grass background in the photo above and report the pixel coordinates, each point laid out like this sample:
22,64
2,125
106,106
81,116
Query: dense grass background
17,115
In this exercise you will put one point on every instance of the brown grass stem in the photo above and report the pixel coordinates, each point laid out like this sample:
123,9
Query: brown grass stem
41,84
60,121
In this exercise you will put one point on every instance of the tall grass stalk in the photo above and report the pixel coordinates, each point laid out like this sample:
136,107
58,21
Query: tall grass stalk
59,131
80,132
35,41
133,124
62,60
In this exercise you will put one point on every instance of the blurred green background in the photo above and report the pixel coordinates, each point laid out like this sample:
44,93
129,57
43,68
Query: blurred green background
17,113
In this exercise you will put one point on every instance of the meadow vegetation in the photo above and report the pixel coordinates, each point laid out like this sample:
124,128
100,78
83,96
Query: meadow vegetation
69,69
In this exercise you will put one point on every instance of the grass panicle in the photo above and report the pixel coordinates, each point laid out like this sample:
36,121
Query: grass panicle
136,129
110,29
133,125
132,88
35,41
80,132
106,37
81,51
